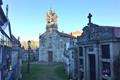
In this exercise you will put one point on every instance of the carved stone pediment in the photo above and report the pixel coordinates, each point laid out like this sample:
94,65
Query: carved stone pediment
95,32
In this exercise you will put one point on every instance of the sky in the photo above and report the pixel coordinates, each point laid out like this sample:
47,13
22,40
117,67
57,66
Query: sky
28,17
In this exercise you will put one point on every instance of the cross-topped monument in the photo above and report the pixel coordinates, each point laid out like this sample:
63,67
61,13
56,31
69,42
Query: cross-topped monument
89,17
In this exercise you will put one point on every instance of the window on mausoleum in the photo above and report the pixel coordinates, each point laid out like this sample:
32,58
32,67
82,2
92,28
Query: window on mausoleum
80,51
81,75
81,64
105,49
106,69
81,61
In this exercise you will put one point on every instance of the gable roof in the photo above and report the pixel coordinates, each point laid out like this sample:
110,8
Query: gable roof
61,34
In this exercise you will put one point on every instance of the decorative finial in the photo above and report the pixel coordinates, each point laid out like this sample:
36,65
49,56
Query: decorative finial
89,17
7,10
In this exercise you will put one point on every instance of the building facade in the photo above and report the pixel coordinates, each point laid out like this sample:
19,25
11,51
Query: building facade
98,48
52,42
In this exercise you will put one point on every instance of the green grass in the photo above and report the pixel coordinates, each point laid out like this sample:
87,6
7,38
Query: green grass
44,72
59,71
34,72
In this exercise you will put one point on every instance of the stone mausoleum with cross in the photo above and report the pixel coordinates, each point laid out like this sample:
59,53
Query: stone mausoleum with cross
99,48
52,43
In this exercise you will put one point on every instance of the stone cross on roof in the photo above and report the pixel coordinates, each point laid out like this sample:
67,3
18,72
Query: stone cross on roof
89,17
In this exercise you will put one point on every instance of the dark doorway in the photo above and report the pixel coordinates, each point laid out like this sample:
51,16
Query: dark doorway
50,56
92,66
